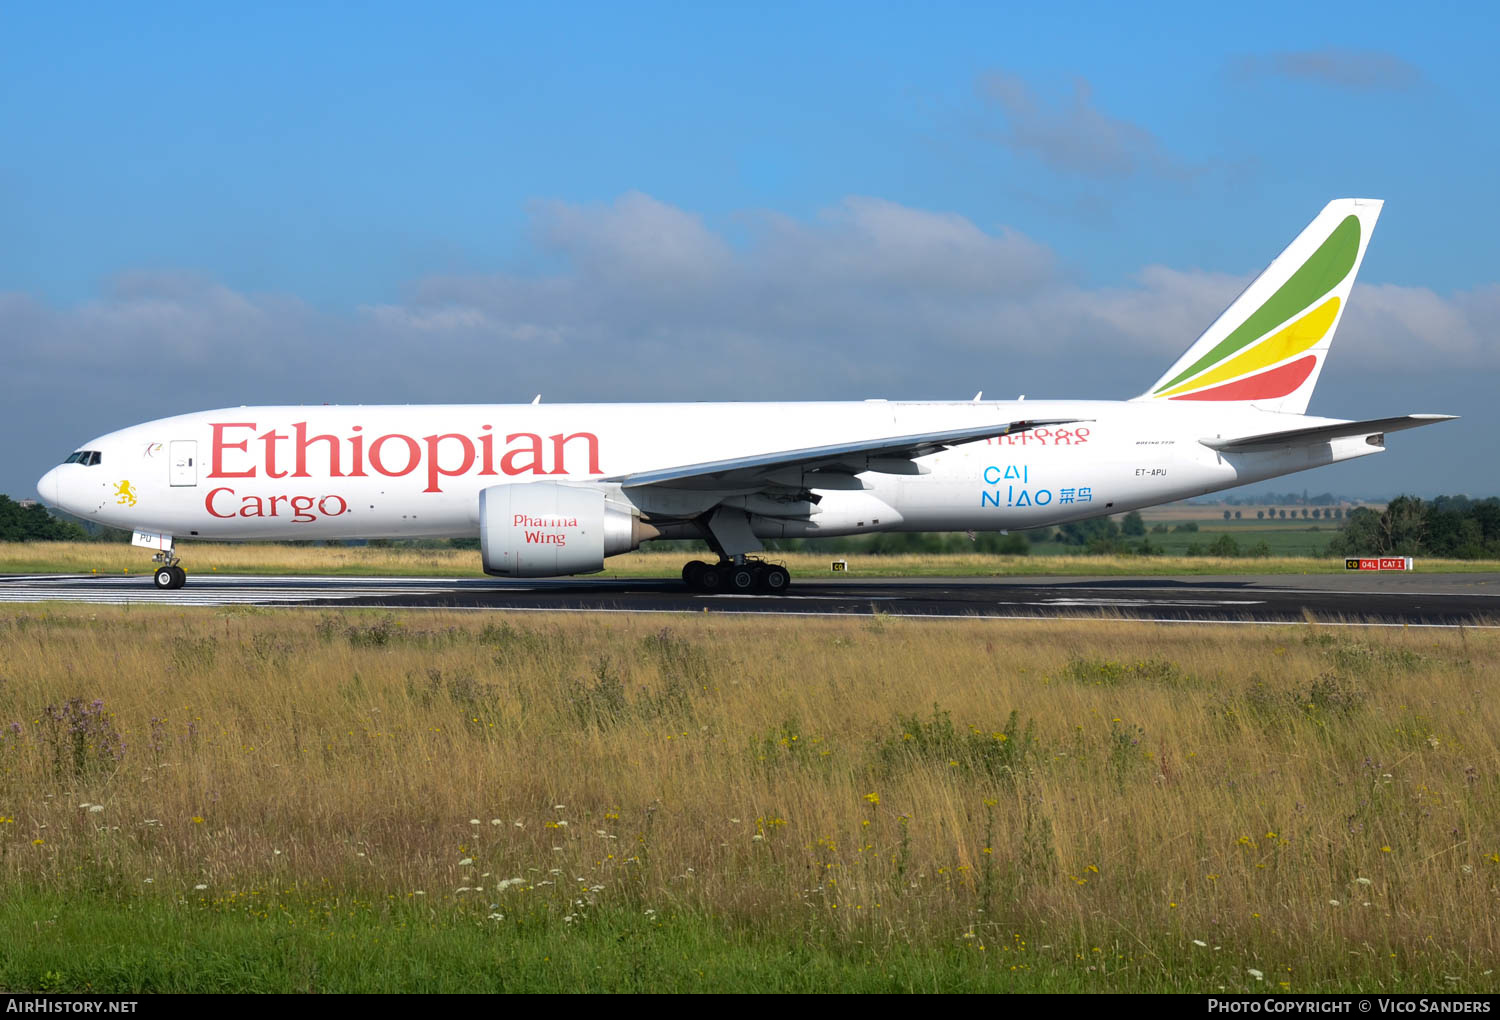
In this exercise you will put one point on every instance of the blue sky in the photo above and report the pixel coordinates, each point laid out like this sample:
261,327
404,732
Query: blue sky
341,189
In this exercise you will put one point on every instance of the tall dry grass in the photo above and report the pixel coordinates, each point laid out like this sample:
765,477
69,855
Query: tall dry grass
1292,795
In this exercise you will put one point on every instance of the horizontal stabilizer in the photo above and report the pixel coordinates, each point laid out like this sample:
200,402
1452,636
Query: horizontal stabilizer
1324,433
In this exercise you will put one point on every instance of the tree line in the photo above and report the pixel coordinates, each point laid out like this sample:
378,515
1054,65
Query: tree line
34,524
1448,527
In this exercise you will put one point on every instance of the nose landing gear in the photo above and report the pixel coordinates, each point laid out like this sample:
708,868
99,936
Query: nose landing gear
169,576
740,575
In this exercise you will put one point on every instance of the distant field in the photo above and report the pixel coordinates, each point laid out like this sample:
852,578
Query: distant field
1047,558
1200,512
254,800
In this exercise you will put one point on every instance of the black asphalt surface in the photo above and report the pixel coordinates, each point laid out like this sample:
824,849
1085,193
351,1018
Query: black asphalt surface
1413,599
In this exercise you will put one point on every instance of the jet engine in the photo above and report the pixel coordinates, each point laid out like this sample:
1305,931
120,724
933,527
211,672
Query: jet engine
549,529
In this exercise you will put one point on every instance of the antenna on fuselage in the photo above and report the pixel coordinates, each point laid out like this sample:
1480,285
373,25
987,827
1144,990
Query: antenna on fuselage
537,399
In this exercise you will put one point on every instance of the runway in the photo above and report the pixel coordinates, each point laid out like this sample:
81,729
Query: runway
1389,599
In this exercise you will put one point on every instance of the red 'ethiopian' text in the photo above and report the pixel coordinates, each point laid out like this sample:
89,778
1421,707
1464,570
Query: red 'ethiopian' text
285,454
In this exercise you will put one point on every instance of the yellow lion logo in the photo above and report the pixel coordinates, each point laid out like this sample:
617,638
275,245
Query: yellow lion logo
125,493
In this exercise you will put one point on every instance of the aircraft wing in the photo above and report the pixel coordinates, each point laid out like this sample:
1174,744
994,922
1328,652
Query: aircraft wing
1323,433
892,454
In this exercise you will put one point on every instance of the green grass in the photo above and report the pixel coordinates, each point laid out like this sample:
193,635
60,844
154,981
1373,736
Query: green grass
295,942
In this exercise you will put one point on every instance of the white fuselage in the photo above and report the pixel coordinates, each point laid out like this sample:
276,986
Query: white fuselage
362,472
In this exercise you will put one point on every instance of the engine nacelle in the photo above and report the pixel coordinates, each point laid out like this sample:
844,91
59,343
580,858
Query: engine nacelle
549,529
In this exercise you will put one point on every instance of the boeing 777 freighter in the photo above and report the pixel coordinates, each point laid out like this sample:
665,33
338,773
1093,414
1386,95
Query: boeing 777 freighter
551,490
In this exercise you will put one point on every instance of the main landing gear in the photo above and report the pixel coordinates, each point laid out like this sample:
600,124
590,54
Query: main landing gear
169,576
741,576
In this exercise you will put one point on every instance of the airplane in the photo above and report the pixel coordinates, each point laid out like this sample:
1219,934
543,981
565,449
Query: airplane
553,489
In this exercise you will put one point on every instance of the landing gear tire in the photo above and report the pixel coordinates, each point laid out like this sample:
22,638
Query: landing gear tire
169,578
774,580
742,579
753,576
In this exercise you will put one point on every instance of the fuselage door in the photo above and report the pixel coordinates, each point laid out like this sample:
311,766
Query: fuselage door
184,462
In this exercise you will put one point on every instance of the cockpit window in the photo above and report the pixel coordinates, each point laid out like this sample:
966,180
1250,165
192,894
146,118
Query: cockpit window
88,458
93,458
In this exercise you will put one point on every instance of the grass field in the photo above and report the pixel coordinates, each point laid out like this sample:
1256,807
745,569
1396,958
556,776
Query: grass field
262,800
207,558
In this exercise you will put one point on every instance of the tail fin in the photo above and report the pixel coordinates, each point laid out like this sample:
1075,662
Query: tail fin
1269,345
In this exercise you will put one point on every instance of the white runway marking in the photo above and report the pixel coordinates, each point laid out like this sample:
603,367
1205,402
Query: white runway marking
218,589
1101,602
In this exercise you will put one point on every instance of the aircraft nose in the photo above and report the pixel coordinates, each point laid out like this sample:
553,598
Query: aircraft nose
46,487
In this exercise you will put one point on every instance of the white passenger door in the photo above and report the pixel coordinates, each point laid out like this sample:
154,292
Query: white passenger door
184,457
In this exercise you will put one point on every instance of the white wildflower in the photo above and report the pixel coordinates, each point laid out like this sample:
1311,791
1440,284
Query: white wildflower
94,809
496,821
1200,942
149,881
1257,975
473,821
1333,903
520,825
199,888
466,861
464,888
1362,881
497,917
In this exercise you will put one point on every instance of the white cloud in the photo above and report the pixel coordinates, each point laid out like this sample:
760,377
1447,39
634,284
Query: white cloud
1357,70
1075,135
